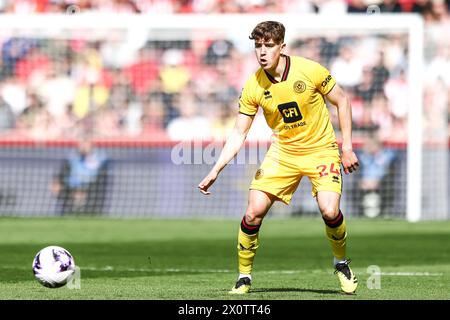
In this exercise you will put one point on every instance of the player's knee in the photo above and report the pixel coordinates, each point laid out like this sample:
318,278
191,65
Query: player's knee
329,212
252,217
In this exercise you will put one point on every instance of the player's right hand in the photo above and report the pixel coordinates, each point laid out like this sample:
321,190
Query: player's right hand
207,182
349,161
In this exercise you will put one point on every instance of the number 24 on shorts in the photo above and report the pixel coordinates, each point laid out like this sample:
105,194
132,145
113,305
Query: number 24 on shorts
323,170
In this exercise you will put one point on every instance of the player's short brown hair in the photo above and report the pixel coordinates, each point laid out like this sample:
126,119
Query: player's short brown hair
268,30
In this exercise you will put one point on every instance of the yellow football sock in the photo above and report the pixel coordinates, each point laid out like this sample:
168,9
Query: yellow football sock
247,245
336,231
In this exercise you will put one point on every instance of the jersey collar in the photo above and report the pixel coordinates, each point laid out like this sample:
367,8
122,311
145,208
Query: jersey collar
285,73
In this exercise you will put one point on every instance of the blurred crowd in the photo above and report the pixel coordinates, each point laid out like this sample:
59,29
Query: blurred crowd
188,89
431,9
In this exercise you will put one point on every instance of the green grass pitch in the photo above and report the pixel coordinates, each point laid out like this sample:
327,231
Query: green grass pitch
196,259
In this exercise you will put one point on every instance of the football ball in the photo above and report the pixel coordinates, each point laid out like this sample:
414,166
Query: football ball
53,266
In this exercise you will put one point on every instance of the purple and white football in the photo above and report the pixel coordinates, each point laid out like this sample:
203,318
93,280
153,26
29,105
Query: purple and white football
53,266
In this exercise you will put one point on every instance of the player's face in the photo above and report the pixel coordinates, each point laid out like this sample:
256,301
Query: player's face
268,53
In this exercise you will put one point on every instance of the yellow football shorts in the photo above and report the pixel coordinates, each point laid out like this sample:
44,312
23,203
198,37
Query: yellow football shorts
280,173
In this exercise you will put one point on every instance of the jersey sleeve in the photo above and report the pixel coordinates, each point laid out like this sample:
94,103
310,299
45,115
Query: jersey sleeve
322,78
247,102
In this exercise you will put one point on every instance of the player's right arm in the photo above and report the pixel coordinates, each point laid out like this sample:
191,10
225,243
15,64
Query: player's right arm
232,146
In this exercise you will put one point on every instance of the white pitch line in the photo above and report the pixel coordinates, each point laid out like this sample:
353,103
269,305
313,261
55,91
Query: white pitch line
409,274
176,270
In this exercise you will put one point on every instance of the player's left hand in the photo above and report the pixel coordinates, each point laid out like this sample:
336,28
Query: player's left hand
349,161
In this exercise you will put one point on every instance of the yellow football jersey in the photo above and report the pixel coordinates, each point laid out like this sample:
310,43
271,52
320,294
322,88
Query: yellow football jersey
294,107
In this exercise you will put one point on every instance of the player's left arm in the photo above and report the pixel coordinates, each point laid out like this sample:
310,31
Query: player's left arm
337,97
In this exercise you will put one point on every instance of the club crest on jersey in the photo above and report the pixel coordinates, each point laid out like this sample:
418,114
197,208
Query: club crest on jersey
259,173
299,86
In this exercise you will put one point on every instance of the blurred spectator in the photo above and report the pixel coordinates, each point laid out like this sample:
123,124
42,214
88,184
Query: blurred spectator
118,6
27,6
143,71
92,80
382,118
13,92
437,12
121,90
103,123
157,94
174,75
437,86
14,49
396,91
218,50
375,163
329,49
347,67
299,7
80,185
183,6
308,48
390,6
332,7
357,6
26,120
56,88
131,119
365,90
45,127
222,90
190,125
223,123
437,102
394,53
31,67
421,6
7,118
89,97
259,130
380,74
224,6
152,121
161,6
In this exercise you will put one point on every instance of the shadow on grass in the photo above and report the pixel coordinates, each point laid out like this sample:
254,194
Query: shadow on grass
266,290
